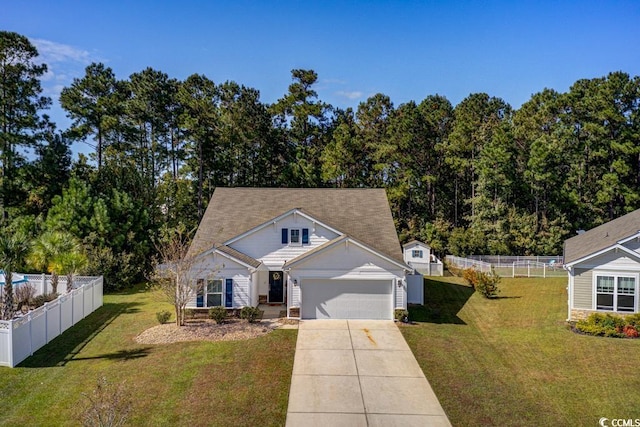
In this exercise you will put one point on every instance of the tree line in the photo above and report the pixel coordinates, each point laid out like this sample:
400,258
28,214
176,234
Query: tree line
477,177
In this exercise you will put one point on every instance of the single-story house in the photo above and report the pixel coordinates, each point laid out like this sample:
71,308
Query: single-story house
604,268
320,253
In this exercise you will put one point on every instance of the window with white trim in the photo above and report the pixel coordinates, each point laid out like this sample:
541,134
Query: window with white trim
615,293
294,237
416,253
214,293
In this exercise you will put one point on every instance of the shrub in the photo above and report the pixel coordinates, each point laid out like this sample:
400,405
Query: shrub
163,316
41,299
486,284
401,315
249,313
633,320
108,405
218,314
601,324
630,331
25,294
470,276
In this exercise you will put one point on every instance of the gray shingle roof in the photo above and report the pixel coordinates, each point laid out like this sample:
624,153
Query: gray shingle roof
239,255
601,237
364,214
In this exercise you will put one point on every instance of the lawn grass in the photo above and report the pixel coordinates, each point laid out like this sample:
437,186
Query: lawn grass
513,360
197,383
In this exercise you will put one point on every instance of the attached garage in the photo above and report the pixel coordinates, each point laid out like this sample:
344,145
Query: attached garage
347,299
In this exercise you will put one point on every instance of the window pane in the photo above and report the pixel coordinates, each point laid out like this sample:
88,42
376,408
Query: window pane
295,236
214,286
605,284
214,300
604,302
626,285
625,303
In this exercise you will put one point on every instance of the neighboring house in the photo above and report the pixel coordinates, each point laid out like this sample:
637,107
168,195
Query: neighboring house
604,268
322,253
418,256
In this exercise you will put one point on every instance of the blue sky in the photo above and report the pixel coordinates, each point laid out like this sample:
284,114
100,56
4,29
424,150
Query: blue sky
404,49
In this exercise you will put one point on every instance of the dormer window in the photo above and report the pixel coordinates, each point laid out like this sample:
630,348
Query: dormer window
295,236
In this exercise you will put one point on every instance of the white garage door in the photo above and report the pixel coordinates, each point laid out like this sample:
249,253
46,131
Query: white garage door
347,299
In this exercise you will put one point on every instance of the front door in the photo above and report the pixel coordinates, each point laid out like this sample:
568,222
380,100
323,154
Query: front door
276,286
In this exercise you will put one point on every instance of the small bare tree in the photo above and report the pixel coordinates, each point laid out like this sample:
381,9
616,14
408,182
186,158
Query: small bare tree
108,405
177,271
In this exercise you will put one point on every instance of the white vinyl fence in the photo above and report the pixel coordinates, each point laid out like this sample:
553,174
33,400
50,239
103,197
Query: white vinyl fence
506,266
429,269
21,337
464,263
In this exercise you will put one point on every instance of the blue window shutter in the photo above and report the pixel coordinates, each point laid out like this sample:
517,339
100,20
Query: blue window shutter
285,236
200,295
305,236
228,293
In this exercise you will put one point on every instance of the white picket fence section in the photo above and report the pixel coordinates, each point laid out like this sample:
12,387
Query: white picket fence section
21,337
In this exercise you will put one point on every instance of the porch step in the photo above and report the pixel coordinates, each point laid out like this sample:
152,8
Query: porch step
273,311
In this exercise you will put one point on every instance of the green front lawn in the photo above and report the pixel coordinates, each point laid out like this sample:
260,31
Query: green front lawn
513,361
196,383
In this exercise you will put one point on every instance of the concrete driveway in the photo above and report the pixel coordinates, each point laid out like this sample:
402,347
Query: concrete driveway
358,373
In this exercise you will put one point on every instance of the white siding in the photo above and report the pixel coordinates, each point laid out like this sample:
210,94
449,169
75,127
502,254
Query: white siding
408,253
266,244
611,260
348,261
220,267
399,287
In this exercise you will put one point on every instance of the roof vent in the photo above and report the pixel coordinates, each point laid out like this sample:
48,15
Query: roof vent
580,232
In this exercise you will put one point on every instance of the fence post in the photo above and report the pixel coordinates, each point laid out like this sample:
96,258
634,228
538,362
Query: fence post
513,270
544,271
10,343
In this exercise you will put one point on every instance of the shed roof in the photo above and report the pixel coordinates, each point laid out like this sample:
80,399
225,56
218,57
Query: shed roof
601,237
363,214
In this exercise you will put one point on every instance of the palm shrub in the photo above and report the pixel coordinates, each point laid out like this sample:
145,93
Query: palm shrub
13,250
47,253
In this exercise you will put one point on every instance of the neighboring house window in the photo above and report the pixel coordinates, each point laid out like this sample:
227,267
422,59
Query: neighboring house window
616,293
416,253
214,293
